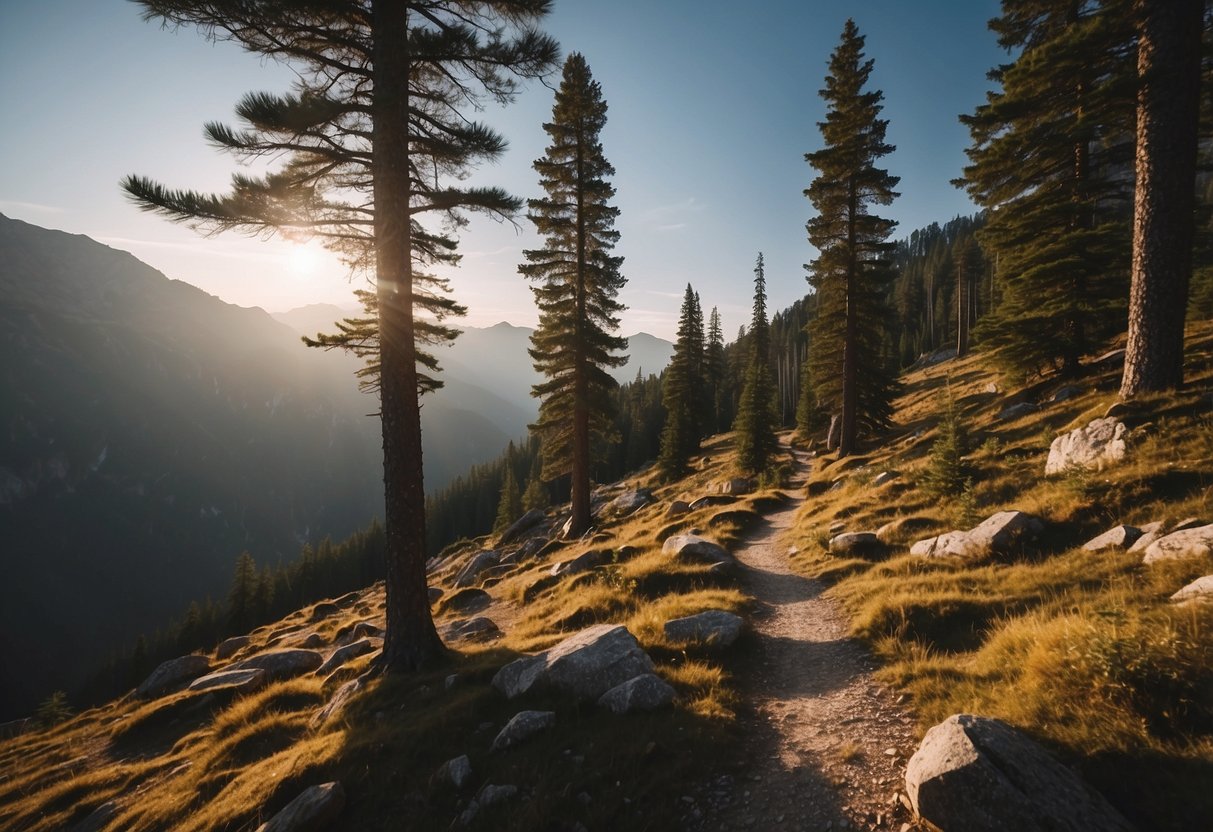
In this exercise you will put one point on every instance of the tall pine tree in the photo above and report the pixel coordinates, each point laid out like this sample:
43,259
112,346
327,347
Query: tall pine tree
579,281
714,372
850,372
373,138
682,392
757,416
1050,157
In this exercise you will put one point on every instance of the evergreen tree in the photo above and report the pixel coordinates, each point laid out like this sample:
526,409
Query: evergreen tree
756,411
372,137
536,494
851,373
680,392
1168,109
578,282
509,505
714,372
242,597
947,473
807,417
1049,158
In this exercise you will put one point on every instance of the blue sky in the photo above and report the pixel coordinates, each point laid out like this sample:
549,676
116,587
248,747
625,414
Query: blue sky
712,108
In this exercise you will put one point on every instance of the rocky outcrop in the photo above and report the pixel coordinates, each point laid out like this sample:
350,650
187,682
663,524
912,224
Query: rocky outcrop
585,665
1099,444
856,543
1181,545
736,485
1002,535
344,655
978,774
473,629
629,502
717,628
521,526
647,692
323,610
523,726
237,681
229,647
337,702
282,664
1200,589
695,548
1149,533
1117,537
478,563
311,811
582,563
172,674
468,601
678,508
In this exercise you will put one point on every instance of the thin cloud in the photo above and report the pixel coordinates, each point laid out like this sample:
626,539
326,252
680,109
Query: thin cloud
36,207
673,210
672,226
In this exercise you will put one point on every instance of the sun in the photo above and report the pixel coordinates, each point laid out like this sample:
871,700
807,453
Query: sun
302,259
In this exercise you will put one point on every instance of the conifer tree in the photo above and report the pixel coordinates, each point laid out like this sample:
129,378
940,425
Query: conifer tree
1049,159
509,505
242,597
536,494
373,139
714,371
1168,109
680,392
757,416
578,281
850,373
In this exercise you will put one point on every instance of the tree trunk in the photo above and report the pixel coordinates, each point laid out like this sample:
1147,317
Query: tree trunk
580,495
410,640
1168,102
850,370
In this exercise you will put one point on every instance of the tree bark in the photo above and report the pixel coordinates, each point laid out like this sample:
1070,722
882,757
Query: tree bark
1168,102
410,640
850,368
580,490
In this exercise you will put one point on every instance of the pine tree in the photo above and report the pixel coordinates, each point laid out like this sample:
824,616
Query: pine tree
756,411
947,473
1168,109
680,392
509,505
851,373
714,372
1049,159
578,282
536,494
242,597
373,138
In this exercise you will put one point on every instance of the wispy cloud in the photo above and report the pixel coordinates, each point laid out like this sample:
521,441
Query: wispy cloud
496,252
206,248
674,226
662,294
36,207
672,210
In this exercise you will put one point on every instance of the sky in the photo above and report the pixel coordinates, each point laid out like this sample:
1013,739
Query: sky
712,106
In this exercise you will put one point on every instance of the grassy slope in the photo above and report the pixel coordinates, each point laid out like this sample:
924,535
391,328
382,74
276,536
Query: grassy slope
1082,650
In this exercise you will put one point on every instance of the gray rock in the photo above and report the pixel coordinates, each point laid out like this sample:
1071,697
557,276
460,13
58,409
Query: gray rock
1117,537
678,508
456,772
473,629
314,641
228,647
990,387
522,727
282,664
313,810
240,681
855,543
585,665
629,502
172,674
1066,393
325,609
520,526
736,485
365,629
693,547
646,692
1149,533
468,600
883,477
715,627
1181,545
1200,589
491,795
477,564
978,774
1001,535
343,655
582,563
1100,443
1017,411
938,357
99,818
337,702
530,548
713,500
467,815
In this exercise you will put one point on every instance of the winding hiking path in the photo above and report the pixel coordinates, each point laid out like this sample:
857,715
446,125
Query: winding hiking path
825,745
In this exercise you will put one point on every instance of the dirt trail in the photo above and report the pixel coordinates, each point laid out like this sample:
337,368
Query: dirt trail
825,744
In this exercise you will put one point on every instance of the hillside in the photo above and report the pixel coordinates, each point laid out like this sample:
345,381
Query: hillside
811,714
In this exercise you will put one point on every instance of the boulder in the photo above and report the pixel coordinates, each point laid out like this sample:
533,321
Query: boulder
1149,533
585,665
1100,443
365,629
434,593
1066,393
646,692
582,563
530,548
522,727
1001,535
713,500
678,508
1016,411
696,548
325,609
715,627
491,795
736,485
343,655
313,641
1181,545
520,526
282,664
455,772
173,673
239,681
477,564
468,600
337,702
883,477
629,502
1200,589
228,647
315,809
537,587
855,543
473,629
978,774
1117,537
